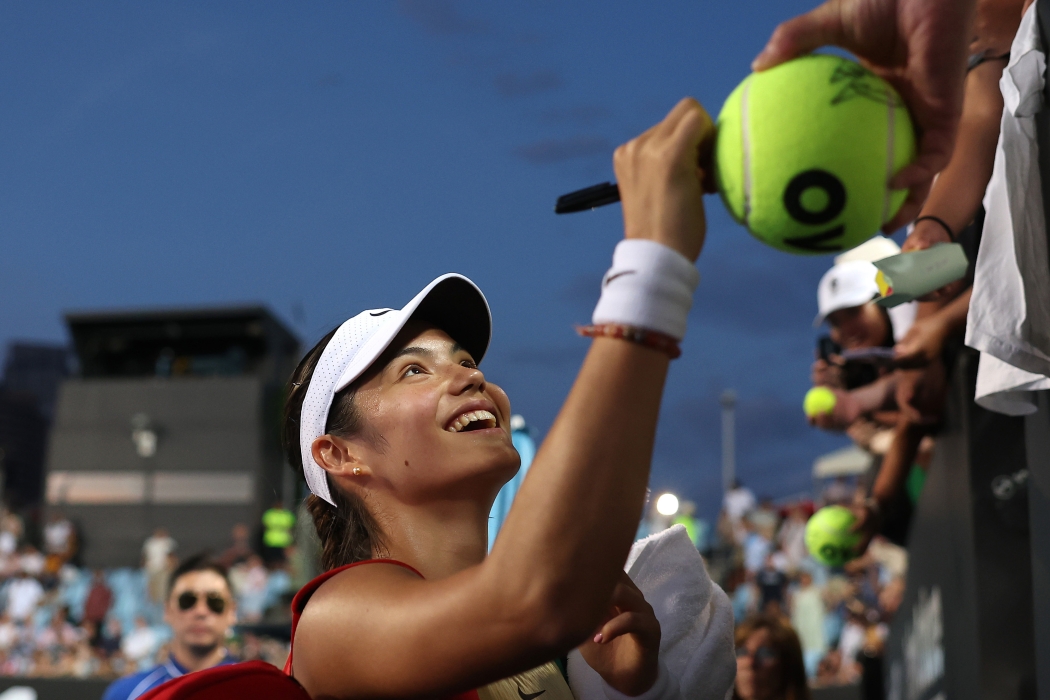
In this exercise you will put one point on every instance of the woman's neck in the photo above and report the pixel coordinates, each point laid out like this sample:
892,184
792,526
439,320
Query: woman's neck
437,539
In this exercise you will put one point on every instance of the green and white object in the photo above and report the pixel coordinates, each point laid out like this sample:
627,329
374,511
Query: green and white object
908,276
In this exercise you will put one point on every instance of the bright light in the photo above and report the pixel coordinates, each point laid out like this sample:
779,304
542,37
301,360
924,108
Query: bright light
667,504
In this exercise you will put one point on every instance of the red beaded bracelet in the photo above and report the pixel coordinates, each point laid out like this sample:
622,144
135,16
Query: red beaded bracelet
650,339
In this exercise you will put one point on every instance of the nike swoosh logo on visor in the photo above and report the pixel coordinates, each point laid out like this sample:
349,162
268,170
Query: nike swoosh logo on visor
529,696
380,313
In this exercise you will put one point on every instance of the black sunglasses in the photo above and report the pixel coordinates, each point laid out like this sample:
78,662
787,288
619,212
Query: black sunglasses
762,655
215,601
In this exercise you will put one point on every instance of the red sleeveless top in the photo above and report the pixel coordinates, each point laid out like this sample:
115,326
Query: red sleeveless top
303,597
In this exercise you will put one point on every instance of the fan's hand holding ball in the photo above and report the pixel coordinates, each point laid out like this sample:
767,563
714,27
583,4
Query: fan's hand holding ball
829,536
805,152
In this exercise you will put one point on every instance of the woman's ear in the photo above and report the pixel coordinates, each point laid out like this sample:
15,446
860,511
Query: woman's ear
337,456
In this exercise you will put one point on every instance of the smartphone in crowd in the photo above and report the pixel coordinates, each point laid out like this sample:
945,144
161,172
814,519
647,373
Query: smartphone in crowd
859,367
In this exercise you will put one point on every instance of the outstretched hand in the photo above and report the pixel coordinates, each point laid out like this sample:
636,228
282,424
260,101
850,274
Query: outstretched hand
923,343
925,234
625,651
917,45
847,410
920,394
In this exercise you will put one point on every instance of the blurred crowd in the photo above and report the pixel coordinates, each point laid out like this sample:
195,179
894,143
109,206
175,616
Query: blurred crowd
889,366
832,623
61,619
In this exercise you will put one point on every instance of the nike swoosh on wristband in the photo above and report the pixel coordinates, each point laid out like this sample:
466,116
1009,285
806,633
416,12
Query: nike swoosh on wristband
619,274
529,696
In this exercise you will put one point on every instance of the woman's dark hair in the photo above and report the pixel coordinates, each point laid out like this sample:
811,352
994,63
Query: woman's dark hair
784,640
348,532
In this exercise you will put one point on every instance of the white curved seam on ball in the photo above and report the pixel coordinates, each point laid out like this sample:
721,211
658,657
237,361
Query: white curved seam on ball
744,126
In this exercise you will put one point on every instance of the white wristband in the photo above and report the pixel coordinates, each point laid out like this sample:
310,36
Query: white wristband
649,286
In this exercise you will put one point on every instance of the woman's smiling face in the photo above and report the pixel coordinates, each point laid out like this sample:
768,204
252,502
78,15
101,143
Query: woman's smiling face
437,429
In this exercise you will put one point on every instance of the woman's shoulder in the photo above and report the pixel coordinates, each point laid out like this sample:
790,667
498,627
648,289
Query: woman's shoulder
334,598
356,581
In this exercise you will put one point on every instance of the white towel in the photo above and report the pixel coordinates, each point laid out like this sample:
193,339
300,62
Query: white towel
697,653
1009,317
18,692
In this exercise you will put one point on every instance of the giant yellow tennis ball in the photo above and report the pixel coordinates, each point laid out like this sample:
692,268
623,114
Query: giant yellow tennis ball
828,538
819,400
804,152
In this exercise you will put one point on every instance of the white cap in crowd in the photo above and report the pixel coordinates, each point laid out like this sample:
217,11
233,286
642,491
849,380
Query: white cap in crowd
845,285
851,282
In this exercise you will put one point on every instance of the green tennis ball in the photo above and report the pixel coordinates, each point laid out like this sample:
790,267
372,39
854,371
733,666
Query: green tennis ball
804,152
819,400
828,538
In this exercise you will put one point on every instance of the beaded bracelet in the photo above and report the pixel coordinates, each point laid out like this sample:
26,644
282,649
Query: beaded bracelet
650,339
938,220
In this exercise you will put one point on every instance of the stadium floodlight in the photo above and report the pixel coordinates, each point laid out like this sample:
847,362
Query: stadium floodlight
667,504
143,435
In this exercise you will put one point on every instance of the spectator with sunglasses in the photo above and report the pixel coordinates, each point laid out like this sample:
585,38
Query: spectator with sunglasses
200,611
769,662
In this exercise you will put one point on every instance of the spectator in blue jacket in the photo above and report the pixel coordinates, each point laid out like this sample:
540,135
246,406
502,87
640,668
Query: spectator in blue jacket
200,610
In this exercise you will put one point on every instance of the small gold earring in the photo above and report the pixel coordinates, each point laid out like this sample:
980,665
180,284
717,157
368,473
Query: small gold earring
357,471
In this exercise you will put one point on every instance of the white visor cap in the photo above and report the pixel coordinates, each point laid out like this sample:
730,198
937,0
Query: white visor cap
845,285
451,302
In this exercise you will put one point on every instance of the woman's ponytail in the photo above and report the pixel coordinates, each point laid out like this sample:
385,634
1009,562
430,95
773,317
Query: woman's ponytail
348,531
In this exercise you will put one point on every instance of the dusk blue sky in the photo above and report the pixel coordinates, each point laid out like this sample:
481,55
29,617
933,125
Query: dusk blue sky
326,157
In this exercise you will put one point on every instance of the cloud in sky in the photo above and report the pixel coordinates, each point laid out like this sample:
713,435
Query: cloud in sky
332,79
525,84
548,356
577,115
740,294
441,17
550,151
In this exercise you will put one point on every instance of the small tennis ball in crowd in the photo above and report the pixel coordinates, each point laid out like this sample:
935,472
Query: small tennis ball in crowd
818,401
828,536
805,150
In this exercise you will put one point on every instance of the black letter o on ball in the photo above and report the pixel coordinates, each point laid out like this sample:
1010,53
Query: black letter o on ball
831,185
